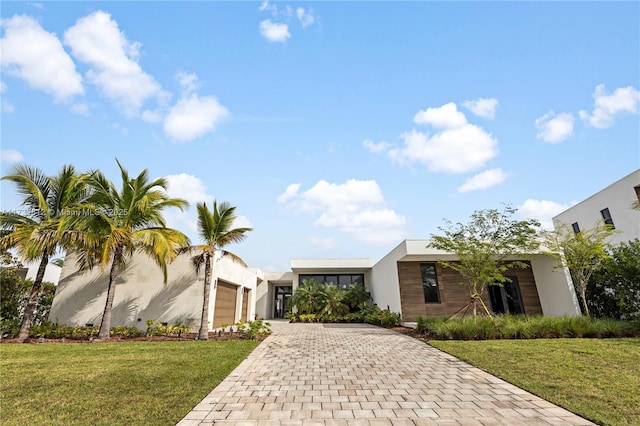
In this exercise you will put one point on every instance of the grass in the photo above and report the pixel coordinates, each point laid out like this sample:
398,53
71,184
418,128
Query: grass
598,379
134,383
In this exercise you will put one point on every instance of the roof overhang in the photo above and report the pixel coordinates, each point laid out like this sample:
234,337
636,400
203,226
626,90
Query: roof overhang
337,266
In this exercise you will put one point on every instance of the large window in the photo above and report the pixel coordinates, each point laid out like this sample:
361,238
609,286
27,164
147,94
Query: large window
429,283
505,298
343,280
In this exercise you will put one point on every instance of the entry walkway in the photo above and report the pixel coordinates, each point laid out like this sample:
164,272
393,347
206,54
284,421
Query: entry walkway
355,374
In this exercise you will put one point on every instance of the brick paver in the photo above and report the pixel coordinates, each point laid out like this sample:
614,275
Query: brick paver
356,374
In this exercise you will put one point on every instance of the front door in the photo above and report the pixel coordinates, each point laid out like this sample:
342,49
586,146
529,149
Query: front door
281,301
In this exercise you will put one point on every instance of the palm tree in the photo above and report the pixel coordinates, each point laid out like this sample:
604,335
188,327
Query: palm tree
117,223
334,302
34,231
357,297
309,297
214,227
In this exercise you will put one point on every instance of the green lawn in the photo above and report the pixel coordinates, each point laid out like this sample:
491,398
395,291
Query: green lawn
133,383
598,379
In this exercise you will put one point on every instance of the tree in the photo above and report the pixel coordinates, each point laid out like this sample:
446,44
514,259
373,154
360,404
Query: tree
35,231
356,297
215,229
582,252
309,297
613,290
117,223
334,302
486,247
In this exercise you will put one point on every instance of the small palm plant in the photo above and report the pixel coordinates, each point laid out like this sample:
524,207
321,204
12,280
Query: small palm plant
334,303
309,297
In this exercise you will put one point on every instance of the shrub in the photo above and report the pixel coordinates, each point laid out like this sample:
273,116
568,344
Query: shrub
308,318
523,327
376,316
614,290
257,328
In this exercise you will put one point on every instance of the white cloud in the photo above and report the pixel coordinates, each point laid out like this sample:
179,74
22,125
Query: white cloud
193,117
188,187
10,156
188,81
306,18
445,117
484,180
192,189
289,193
356,207
482,107
376,147
274,32
623,100
241,222
554,128
323,243
97,40
37,57
542,210
459,150
265,6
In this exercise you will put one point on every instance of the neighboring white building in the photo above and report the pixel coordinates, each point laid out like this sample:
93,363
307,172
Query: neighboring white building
29,271
612,205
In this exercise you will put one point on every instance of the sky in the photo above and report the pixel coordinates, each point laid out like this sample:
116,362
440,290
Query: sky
337,129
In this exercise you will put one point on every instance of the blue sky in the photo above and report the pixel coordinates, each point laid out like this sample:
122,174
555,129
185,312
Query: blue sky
337,128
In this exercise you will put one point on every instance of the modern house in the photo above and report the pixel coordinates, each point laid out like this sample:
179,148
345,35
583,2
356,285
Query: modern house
408,280
612,205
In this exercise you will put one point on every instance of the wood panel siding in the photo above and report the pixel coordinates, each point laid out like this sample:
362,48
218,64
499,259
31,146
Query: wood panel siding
454,296
245,304
225,308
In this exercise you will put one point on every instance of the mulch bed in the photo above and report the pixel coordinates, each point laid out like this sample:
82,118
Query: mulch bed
213,336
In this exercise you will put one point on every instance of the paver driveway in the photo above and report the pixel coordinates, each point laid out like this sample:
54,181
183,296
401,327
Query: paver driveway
356,374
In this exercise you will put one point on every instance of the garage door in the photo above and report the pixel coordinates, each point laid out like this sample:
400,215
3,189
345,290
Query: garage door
225,310
245,304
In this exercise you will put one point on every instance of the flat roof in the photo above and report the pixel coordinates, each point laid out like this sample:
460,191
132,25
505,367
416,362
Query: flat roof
333,265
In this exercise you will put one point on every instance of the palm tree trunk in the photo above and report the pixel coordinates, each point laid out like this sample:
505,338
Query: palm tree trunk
32,303
204,319
105,325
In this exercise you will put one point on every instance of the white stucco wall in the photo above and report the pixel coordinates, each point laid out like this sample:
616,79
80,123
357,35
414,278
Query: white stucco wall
141,293
618,198
555,288
384,282
51,273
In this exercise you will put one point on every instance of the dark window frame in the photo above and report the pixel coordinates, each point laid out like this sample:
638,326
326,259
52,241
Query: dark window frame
428,286
353,279
514,284
575,227
606,216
